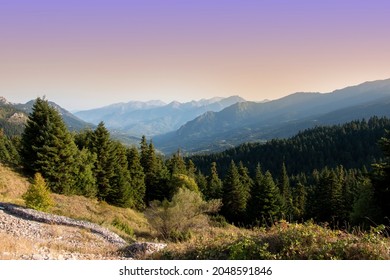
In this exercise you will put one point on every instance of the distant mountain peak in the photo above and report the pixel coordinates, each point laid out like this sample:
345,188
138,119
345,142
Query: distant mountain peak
4,101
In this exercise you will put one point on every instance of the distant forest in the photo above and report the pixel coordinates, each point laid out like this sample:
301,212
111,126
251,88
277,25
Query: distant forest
338,175
352,145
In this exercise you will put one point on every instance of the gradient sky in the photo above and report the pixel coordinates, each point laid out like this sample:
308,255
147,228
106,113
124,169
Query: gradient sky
89,53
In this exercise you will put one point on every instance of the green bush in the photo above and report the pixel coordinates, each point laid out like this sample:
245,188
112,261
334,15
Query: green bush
174,220
38,195
123,226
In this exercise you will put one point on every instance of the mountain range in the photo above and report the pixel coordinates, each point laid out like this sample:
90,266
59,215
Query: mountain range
153,117
215,124
284,117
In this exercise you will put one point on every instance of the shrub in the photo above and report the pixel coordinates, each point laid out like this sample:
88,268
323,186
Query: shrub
38,195
123,226
174,219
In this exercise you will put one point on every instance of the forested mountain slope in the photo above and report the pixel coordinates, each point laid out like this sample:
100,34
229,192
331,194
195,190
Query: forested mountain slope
353,145
284,117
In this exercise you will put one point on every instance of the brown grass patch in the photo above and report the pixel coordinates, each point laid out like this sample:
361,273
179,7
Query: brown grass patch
12,185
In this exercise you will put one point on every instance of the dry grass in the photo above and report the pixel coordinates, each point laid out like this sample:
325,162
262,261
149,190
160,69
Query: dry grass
283,241
13,248
12,185
99,212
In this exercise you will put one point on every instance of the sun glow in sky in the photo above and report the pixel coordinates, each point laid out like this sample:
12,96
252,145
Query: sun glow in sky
90,53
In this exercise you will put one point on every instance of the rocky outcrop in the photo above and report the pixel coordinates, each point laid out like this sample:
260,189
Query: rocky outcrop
142,250
18,118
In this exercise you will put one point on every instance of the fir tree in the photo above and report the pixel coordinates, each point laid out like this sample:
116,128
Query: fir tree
381,178
38,195
269,201
176,164
120,192
246,181
191,169
234,196
285,192
8,151
102,146
157,175
201,181
137,178
214,184
254,208
48,148
86,181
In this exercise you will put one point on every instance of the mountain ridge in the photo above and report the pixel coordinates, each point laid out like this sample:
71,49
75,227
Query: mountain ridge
252,121
154,120
13,116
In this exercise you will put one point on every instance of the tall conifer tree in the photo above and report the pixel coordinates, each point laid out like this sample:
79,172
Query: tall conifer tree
254,208
48,148
234,198
286,195
137,178
214,184
120,193
269,201
102,146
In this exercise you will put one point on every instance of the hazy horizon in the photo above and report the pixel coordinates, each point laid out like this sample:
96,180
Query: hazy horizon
103,52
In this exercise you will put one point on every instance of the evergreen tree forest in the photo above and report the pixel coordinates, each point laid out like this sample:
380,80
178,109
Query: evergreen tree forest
338,175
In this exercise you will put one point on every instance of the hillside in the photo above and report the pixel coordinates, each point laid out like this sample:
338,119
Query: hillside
256,122
73,123
26,238
13,117
12,120
352,145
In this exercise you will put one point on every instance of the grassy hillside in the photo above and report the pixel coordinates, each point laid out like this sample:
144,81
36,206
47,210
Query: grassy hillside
217,241
125,222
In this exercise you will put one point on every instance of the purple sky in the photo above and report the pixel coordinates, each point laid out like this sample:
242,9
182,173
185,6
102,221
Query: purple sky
84,54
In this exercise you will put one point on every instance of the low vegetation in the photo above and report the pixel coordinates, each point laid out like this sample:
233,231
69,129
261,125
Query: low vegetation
38,195
207,240
283,241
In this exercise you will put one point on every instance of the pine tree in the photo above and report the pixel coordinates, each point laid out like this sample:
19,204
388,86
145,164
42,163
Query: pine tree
48,148
254,209
102,146
120,193
285,191
176,164
157,175
201,181
38,195
299,201
365,208
214,184
144,147
246,181
8,151
191,169
381,178
269,201
327,197
86,181
137,178
234,196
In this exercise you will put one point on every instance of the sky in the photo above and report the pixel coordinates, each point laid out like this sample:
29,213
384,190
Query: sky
91,53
